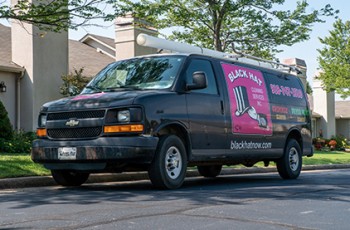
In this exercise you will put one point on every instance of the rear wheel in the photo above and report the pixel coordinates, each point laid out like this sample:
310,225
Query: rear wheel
209,170
168,169
289,166
69,178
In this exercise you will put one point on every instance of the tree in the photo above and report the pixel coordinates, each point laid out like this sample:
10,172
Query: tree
334,59
256,27
56,15
5,124
73,83
308,88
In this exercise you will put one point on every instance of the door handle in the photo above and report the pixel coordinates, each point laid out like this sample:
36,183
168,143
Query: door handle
222,107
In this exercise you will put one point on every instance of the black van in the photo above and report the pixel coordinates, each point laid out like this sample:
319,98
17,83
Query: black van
163,113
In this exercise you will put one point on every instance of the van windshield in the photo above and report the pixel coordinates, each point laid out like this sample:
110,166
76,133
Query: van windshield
138,73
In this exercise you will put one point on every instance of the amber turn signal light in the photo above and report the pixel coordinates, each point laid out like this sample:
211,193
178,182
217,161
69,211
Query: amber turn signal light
123,128
41,132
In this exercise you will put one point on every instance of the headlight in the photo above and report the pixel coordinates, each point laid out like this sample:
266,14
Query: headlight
123,116
123,121
42,120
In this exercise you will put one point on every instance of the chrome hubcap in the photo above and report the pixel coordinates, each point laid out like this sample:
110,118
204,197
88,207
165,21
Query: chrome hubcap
293,159
173,162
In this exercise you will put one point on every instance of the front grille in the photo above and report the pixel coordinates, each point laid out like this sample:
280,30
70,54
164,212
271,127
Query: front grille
71,133
76,114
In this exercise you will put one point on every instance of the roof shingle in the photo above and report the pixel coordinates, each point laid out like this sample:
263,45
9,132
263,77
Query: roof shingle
5,48
342,109
84,56
105,40
80,54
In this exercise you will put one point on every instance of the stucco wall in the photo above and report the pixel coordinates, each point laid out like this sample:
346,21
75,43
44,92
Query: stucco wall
50,63
343,127
126,33
44,55
324,104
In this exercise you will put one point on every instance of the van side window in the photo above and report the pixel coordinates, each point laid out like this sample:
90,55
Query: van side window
205,66
285,90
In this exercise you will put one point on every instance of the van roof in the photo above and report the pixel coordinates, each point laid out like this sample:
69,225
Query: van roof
261,63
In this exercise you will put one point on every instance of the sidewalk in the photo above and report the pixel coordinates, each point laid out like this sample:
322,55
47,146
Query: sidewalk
40,181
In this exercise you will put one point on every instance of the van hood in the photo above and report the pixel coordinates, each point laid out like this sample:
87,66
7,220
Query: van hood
94,101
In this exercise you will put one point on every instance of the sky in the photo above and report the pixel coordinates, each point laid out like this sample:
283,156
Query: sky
306,50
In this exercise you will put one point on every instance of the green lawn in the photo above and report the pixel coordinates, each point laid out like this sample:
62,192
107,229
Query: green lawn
20,165
323,158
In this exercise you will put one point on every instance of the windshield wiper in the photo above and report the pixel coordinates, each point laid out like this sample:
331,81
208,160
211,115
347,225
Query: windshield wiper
130,87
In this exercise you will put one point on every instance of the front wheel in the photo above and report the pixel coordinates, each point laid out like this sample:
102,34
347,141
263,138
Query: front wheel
69,178
168,168
289,166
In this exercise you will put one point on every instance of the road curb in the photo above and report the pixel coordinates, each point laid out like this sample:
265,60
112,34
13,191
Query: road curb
40,181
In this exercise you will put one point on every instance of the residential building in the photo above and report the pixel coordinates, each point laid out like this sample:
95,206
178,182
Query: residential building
330,117
32,63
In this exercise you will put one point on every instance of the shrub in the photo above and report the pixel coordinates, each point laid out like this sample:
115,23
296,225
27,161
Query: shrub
21,142
340,142
73,83
319,143
5,124
13,141
332,144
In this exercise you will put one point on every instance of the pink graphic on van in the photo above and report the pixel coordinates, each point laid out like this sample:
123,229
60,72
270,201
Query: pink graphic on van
249,102
87,96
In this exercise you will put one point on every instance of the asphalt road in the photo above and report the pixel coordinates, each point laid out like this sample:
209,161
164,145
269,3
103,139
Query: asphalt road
317,200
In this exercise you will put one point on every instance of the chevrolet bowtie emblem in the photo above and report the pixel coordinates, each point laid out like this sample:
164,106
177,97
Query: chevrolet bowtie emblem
72,123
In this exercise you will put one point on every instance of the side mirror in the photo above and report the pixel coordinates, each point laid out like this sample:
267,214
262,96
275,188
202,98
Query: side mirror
199,80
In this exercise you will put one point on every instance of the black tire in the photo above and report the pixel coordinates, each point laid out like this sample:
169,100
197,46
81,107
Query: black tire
289,166
209,170
168,168
69,178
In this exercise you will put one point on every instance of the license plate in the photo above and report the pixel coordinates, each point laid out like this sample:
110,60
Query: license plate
67,153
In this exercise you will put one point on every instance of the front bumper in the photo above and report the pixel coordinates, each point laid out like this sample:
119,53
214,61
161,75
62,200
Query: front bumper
95,154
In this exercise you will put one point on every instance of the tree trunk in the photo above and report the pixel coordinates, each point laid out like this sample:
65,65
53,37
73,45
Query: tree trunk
218,15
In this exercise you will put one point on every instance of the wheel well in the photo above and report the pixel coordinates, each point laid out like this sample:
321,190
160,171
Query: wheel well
179,131
295,134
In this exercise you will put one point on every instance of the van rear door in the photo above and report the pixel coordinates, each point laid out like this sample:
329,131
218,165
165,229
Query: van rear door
289,109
